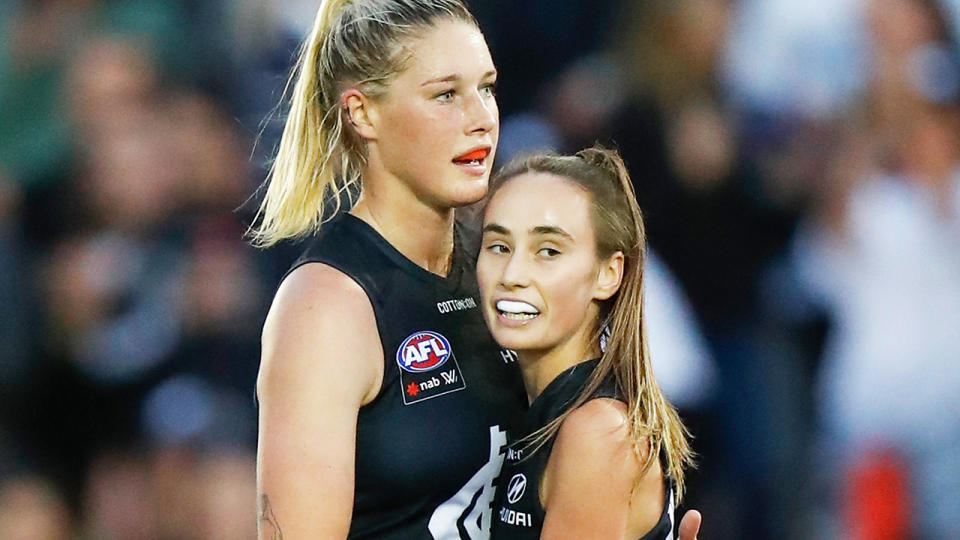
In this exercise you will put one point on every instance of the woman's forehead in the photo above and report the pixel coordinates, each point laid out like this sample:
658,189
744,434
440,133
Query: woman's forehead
535,199
448,47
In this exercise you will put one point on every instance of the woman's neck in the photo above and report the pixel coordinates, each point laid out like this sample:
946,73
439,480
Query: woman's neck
420,232
540,368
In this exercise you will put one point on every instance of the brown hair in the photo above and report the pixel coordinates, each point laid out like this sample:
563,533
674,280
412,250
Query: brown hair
617,222
353,42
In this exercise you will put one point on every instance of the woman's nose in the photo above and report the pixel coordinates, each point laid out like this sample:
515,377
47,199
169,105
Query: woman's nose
515,272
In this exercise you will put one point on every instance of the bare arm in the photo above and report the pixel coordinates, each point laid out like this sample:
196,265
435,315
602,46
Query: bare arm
588,489
321,361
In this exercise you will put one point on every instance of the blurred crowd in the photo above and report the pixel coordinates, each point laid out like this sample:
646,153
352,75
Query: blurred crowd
798,163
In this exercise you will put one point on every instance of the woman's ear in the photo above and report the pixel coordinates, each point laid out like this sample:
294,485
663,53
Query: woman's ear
609,276
358,109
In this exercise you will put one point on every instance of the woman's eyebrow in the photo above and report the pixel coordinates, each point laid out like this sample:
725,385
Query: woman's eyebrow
449,78
453,77
495,228
549,229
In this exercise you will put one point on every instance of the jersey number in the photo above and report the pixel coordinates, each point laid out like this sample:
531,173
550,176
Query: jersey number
468,513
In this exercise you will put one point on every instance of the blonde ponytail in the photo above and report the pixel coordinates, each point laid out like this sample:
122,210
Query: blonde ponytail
301,178
318,164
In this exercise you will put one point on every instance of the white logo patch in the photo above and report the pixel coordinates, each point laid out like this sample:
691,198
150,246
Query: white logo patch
516,488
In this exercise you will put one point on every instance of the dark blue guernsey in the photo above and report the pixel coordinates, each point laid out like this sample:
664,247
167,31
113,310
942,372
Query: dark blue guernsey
519,513
430,444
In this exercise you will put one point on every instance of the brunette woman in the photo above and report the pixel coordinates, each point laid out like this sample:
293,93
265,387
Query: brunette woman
602,454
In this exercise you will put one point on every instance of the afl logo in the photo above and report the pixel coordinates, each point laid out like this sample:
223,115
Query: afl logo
516,487
423,351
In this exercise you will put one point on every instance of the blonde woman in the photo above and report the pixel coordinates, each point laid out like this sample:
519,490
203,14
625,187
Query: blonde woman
602,454
384,403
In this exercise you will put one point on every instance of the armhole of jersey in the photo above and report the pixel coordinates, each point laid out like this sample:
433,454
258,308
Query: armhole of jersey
376,315
600,394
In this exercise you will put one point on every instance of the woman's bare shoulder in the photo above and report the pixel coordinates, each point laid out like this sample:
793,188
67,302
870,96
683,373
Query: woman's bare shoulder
320,322
604,419
586,487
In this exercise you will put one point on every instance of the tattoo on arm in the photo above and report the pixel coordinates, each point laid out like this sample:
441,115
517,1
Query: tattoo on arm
267,521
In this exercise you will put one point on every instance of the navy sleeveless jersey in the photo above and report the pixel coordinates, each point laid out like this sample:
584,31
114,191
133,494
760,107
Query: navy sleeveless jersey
431,443
519,514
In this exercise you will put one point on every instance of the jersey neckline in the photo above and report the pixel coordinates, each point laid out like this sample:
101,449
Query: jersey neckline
574,376
452,281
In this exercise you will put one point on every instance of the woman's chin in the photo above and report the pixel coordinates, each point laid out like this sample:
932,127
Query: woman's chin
471,192
510,340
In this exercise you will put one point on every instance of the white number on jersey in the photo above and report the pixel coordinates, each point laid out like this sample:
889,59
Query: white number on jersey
472,506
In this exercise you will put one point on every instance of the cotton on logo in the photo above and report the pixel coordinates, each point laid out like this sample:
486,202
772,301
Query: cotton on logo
516,487
423,351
